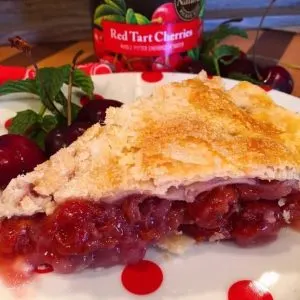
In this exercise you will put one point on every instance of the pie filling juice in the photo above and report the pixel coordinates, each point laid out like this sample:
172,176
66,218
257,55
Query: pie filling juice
147,35
86,234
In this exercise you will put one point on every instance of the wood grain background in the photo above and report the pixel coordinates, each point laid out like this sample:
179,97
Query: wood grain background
64,20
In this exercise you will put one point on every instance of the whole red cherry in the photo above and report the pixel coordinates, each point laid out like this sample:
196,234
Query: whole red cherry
243,66
98,42
191,66
278,78
95,111
18,155
63,136
166,13
167,63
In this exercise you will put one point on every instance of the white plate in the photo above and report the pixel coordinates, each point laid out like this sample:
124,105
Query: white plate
205,272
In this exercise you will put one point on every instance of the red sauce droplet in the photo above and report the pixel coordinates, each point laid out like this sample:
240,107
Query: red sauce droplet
43,269
15,273
98,97
152,76
142,278
265,87
84,100
8,123
248,290
210,76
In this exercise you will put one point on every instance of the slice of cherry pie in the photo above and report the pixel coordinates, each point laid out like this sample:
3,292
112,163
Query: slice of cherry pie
189,160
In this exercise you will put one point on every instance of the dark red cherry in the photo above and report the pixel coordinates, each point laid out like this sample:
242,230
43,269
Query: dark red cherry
242,55
18,155
278,78
191,66
167,63
241,66
95,111
63,136
75,130
165,13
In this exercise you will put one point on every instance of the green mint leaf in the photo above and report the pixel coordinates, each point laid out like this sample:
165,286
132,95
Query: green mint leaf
141,19
24,121
113,18
202,10
226,50
65,70
62,100
83,81
225,30
130,17
119,3
19,86
75,110
191,54
194,53
243,77
38,136
49,122
106,10
208,63
49,83
120,6
213,38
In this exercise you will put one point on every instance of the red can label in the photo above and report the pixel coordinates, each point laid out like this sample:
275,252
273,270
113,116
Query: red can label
147,35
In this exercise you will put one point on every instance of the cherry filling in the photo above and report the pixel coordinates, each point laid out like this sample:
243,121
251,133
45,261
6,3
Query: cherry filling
81,234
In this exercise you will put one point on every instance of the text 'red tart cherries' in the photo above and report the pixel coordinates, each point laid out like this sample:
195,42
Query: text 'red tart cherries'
148,35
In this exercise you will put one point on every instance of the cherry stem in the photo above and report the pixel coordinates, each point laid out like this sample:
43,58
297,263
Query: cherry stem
69,99
254,51
22,45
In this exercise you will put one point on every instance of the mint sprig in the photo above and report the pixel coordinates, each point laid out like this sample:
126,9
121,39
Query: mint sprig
47,85
24,121
212,51
17,86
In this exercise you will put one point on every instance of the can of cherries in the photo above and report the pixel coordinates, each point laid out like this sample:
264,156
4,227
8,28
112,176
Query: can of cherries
148,35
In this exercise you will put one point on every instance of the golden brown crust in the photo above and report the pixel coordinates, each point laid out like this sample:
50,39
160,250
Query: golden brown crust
255,101
185,132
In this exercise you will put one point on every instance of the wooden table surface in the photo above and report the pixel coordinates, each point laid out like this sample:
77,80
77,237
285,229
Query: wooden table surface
280,46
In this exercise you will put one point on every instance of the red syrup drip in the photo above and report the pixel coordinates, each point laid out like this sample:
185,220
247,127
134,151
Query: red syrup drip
43,269
85,99
98,97
15,272
142,278
248,290
152,76
8,123
265,87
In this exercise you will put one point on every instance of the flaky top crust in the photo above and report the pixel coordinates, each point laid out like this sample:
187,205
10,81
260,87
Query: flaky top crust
184,132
